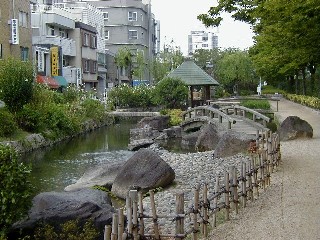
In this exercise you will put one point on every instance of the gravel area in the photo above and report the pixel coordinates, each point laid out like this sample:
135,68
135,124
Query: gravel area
290,207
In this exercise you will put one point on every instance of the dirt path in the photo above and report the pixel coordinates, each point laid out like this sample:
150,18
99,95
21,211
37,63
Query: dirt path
290,207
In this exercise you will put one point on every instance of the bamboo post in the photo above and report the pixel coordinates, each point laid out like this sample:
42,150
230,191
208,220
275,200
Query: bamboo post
255,176
205,211
235,188
107,232
154,215
195,213
129,215
114,233
261,167
215,201
249,174
134,200
120,223
141,229
179,212
226,196
243,185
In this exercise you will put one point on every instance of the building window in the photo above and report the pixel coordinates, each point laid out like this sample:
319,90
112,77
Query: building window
93,41
23,19
85,39
62,32
205,45
93,66
132,16
204,38
105,17
133,34
24,53
51,30
86,65
106,34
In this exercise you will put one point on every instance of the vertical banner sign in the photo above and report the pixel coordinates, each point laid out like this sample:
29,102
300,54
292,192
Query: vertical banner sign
78,76
40,61
14,31
54,61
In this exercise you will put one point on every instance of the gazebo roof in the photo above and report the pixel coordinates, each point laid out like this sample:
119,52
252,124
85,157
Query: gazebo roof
192,74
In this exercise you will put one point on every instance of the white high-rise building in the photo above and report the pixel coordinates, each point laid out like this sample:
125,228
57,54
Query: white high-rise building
201,40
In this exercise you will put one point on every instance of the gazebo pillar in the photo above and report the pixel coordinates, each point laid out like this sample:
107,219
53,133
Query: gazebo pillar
191,96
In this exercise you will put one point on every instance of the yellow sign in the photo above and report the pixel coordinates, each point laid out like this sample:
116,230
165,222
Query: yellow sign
54,61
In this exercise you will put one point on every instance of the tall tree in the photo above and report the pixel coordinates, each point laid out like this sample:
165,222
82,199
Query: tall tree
286,33
206,59
123,60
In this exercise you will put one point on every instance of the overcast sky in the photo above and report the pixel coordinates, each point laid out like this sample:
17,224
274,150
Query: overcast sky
179,17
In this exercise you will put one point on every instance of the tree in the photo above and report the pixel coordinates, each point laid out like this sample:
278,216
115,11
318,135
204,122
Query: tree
287,34
207,59
16,83
235,68
170,58
139,67
171,93
15,191
123,60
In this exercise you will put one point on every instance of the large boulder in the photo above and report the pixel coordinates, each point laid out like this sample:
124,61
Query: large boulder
103,175
145,170
157,122
294,127
232,143
55,208
209,137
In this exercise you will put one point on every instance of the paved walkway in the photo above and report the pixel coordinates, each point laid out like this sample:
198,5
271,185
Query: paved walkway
290,207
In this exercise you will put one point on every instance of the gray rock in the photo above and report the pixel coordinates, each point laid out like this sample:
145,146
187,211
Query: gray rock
232,143
158,122
55,208
141,143
209,137
103,175
189,139
145,170
294,127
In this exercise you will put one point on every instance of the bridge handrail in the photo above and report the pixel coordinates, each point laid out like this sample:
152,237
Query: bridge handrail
212,111
243,111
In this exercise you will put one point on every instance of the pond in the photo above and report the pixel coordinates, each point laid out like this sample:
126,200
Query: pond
63,164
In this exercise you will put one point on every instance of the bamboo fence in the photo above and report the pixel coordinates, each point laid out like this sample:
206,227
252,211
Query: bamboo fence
230,193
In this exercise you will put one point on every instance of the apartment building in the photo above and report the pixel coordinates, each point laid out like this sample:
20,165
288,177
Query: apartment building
128,24
201,40
15,37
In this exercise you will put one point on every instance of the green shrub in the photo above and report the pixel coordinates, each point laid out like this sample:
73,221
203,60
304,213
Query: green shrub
171,93
16,83
94,109
70,230
125,96
271,90
15,191
309,101
8,125
175,116
256,104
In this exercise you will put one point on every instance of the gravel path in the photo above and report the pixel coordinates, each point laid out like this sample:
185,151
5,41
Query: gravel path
290,207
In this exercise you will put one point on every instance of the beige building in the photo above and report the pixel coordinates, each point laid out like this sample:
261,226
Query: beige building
15,28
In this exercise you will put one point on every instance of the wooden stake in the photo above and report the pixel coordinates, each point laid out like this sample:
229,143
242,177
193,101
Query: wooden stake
114,234
134,200
243,184
215,201
141,229
107,232
154,215
226,196
205,211
120,223
195,213
179,212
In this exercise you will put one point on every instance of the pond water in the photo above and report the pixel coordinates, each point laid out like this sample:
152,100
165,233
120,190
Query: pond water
56,167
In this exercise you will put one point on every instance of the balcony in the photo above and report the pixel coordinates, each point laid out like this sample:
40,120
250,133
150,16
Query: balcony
55,16
68,45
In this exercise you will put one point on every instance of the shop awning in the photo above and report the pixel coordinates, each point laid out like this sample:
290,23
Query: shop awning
51,82
61,81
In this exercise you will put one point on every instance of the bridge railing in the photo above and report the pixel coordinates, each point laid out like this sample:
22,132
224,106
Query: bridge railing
246,113
208,112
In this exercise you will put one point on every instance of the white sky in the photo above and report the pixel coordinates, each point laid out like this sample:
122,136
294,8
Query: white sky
179,17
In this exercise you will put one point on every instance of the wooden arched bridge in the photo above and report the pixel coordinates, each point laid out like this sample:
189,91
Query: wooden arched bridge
238,118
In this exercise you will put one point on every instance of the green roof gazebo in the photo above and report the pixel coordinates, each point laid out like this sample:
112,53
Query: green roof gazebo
195,78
